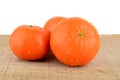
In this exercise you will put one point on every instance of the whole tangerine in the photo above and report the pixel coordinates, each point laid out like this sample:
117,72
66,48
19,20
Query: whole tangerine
50,24
75,41
29,42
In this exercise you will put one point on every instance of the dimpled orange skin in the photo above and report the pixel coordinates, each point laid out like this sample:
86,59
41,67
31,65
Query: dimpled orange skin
50,24
29,43
75,42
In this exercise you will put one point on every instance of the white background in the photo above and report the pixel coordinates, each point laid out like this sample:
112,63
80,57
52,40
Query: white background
103,14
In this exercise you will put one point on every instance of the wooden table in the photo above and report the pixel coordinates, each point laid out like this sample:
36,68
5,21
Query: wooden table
105,66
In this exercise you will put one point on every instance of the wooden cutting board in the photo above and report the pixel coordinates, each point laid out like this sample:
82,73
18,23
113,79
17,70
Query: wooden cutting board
105,66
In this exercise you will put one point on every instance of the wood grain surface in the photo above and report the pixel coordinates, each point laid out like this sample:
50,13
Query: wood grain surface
105,66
